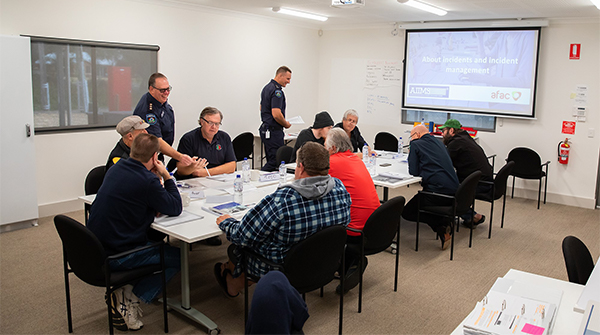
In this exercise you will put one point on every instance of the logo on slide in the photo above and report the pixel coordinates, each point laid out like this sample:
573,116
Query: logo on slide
515,95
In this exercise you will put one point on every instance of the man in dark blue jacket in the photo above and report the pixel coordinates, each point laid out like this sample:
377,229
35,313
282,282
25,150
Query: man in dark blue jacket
429,159
125,207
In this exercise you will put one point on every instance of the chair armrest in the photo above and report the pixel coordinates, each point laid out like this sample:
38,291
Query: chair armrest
491,156
548,162
437,194
126,253
355,230
486,182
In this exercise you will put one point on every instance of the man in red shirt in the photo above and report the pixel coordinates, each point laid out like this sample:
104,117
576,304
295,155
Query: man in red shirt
349,168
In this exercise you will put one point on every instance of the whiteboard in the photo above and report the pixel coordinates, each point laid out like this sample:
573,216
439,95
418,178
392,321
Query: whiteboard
373,87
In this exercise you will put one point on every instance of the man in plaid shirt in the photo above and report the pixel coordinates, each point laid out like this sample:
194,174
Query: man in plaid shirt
293,212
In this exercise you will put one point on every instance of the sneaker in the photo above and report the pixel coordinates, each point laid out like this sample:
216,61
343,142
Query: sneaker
117,319
133,309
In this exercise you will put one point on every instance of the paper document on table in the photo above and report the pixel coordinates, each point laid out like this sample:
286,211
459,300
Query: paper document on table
195,194
185,216
296,120
225,177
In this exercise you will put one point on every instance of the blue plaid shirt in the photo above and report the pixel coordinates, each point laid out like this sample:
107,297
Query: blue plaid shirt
282,219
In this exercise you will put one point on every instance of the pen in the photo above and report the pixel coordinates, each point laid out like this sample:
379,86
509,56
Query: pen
207,171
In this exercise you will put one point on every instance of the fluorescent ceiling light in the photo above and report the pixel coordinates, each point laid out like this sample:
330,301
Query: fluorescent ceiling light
596,3
426,7
300,14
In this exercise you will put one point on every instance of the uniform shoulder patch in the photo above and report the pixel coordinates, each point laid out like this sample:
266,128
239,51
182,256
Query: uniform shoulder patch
278,93
115,160
151,118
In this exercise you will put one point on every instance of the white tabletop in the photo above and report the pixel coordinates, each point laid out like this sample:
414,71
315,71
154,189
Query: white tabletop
567,321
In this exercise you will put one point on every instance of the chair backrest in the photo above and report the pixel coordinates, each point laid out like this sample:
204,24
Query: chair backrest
500,180
284,154
82,250
243,145
94,180
381,227
578,260
312,262
386,141
528,164
465,194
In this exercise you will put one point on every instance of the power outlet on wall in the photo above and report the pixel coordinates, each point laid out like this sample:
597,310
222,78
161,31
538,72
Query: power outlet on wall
591,133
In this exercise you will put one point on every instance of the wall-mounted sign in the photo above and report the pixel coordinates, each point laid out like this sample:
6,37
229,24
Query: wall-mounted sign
575,51
568,127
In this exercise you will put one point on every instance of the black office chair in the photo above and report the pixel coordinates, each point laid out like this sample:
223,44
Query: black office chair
498,190
377,235
92,184
284,154
578,260
310,264
462,201
243,145
528,165
386,141
84,256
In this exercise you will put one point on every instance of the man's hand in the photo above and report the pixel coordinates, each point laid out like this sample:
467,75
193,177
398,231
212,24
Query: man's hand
222,217
159,169
185,160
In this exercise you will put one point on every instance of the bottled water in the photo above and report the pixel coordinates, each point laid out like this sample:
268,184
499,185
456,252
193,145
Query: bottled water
238,189
366,154
422,121
246,170
400,147
373,164
282,173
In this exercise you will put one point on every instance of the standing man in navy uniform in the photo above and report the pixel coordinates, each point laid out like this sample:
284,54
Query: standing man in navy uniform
156,111
272,114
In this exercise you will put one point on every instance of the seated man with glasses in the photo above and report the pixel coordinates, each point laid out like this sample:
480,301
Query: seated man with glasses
207,142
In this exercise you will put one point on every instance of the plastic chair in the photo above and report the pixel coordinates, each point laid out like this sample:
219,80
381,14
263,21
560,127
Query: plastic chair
578,260
284,154
462,201
309,264
528,165
386,141
377,235
243,146
84,256
498,190
92,184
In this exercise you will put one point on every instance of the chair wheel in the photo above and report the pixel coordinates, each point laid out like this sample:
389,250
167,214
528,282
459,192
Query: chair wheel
215,331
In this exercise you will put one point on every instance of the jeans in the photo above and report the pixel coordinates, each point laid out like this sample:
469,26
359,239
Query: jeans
149,287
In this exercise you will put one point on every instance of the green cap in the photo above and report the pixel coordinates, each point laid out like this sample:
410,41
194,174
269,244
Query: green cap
451,123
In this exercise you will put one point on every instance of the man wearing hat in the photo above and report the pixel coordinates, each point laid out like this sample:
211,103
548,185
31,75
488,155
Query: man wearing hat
467,157
129,128
317,133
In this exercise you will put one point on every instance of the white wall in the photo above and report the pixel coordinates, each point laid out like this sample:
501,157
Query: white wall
223,59
214,58
572,184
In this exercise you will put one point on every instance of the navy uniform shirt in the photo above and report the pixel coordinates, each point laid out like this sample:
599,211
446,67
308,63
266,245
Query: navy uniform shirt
160,117
271,97
219,152
429,159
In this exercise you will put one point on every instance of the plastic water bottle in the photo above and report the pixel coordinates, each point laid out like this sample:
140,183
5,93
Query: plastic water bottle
400,147
366,154
373,164
238,188
246,170
282,173
422,121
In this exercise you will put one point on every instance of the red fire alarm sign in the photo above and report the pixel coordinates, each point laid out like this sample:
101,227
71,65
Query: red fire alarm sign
568,127
575,51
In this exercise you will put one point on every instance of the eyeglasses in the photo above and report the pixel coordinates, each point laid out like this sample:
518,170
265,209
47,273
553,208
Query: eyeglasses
163,90
212,124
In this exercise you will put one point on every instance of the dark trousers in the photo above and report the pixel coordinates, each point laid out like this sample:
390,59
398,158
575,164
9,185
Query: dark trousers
437,223
274,142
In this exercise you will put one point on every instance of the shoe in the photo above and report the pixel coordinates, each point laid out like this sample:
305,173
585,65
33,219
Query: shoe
214,241
471,224
134,310
482,220
352,278
127,311
222,279
446,238
117,319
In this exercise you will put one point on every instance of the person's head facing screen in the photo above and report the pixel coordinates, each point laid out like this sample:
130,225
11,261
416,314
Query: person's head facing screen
417,132
144,147
337,141
283,75
450,128
350,120
312,160
210,120
159,88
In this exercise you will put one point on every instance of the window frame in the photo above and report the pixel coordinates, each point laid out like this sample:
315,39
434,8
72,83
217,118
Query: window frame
448,116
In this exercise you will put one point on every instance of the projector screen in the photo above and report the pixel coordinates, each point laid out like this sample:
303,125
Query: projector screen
481,71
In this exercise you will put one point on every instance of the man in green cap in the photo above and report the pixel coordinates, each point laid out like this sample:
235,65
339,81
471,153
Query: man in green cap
467,157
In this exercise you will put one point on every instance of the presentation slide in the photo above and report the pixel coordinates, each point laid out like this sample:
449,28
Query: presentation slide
484,71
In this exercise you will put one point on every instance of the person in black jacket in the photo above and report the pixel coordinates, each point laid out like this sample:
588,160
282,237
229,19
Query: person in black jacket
429,159
128,128
125,206
317,133
467,157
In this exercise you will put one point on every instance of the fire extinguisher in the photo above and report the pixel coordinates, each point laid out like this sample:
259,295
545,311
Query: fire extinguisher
563,151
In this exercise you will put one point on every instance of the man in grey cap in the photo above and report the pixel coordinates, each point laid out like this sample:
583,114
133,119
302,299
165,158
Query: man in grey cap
317,133
129,128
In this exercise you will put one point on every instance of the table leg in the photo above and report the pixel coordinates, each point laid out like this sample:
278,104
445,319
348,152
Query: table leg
183,306
385,194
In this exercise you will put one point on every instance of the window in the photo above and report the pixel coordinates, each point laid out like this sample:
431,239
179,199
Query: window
81,85
478,122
